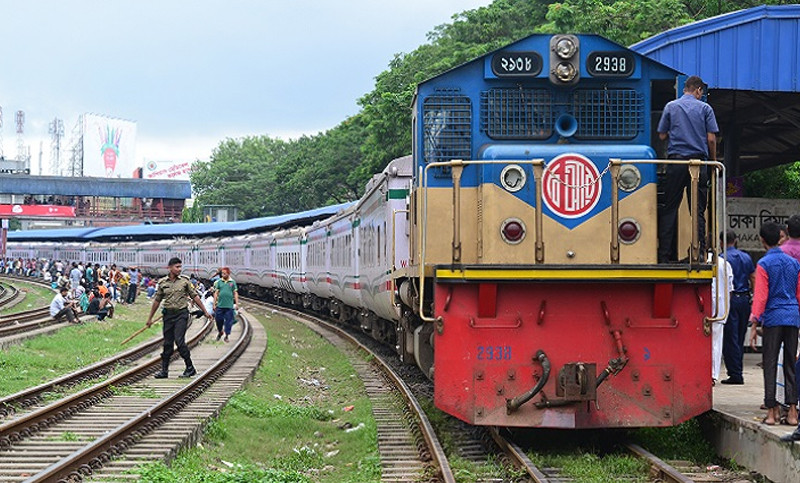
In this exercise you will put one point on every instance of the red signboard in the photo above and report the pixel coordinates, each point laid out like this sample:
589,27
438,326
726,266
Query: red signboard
38,210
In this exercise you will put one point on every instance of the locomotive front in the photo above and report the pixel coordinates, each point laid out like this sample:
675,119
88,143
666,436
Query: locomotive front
533,268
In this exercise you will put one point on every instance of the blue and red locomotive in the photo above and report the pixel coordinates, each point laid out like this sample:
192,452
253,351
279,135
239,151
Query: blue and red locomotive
512,257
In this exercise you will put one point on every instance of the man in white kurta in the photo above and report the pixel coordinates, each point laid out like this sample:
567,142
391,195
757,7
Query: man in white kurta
721,287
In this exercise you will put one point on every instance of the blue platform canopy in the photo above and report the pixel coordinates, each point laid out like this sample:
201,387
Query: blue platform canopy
18,184
178,230
750,60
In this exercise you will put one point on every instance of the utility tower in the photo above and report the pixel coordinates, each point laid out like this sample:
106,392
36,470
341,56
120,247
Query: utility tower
76,148
21,152
56,130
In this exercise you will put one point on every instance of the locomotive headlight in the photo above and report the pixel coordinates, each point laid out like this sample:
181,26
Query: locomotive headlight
513,178
628,231
512,230
565,72
629,178
565,48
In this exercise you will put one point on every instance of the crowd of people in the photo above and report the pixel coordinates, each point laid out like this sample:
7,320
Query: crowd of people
95,289
766,297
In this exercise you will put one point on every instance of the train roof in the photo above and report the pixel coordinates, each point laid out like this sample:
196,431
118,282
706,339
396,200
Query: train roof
595,42
175,230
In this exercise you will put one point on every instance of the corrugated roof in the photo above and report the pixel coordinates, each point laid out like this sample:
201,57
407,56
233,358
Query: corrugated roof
177,230
115,187
757,49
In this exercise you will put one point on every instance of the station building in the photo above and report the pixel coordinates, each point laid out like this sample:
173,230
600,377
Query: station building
59,202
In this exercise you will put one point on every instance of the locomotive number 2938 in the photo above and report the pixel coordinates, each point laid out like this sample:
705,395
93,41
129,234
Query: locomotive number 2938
494,353
610,64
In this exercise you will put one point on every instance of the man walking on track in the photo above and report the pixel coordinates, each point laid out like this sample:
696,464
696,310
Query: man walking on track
174,290
226,299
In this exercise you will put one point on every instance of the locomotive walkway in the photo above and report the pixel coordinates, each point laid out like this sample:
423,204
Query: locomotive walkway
740,435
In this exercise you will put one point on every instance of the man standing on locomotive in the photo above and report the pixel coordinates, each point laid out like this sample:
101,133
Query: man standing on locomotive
690,126
174,289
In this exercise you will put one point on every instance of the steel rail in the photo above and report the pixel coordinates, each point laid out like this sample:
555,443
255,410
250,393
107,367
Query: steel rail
85,461
662,470
518,456
37,420
25,315
31,396
8,294
436,451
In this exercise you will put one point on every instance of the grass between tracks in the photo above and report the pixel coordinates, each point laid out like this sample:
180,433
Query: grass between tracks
46,357
35,296
305,417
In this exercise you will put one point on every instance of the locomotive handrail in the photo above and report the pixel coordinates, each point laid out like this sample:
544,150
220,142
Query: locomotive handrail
457,165
722,213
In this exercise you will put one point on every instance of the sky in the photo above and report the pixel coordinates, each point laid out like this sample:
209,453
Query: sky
192,73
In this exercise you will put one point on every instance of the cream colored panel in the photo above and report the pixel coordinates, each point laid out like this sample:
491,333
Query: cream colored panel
589,243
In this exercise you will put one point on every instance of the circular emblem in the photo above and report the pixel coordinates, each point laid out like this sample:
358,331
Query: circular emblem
571,186
151,165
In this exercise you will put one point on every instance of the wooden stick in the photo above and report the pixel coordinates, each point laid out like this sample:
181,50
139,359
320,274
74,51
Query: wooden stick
139,332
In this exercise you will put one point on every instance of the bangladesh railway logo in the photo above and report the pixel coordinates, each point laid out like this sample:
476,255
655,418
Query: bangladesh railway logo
571,186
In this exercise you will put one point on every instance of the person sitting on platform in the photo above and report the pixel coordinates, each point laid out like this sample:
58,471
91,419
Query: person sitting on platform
60,307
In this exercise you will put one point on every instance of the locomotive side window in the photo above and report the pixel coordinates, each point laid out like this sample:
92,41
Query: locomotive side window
517,113
446,128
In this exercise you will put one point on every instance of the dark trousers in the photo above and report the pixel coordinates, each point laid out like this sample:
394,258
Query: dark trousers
132,293
224,319
772,339
675,181
175,323
68,313
735,328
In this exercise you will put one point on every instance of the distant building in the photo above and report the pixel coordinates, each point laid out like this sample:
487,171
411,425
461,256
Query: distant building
54,201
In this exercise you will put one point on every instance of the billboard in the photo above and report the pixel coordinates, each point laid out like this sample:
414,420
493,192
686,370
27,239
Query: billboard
166,170
109,146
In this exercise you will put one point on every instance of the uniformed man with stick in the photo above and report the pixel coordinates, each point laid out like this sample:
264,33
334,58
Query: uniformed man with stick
174,289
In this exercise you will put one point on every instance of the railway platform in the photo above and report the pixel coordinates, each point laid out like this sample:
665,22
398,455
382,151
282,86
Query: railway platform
738,433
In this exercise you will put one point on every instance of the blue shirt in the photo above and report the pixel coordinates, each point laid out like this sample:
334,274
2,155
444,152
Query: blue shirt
742,266
687,121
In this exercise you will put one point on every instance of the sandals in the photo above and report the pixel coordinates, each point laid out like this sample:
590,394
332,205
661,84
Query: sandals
785,421
764,421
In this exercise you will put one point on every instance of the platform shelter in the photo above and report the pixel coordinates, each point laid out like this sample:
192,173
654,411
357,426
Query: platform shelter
750,60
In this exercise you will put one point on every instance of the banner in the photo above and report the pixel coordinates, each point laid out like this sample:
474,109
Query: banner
38,210
109,147
167,170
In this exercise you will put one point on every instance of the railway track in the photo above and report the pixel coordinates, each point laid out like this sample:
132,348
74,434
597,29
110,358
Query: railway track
9,295
107,429
409,448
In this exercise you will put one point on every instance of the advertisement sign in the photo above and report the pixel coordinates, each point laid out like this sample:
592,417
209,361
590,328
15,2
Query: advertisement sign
109,146
167,170
38,210
746,215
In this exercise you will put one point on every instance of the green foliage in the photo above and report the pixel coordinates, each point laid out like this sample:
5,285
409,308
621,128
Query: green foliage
684,442
263,176
193,214
190,468
623,21
256,408
777,182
